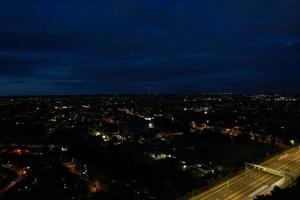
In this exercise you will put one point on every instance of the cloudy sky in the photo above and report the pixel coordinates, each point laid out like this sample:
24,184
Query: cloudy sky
165,46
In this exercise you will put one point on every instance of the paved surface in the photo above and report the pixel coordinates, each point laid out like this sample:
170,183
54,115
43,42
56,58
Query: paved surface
253,182
20,177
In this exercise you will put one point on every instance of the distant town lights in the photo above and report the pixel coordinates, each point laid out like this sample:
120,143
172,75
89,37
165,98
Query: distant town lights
148,118
64,149
292,142
150,125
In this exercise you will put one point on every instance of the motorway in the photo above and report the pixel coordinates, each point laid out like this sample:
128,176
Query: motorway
253,182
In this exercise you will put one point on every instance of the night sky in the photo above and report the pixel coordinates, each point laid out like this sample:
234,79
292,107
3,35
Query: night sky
162,46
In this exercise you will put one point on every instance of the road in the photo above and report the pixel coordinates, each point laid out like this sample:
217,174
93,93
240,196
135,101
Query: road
253,182
21,175
94,186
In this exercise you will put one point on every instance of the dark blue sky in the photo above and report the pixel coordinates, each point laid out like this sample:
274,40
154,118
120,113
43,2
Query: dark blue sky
169,46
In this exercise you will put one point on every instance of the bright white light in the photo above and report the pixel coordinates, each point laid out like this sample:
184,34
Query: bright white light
150,125
292,142
97,133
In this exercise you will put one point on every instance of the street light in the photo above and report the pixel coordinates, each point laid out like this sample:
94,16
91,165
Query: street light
150,125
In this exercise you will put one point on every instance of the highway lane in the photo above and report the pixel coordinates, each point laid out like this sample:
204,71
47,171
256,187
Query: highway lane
251,180
243,192
243,180
235,179
243,187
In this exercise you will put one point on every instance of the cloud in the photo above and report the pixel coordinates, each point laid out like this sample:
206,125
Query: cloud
126,46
